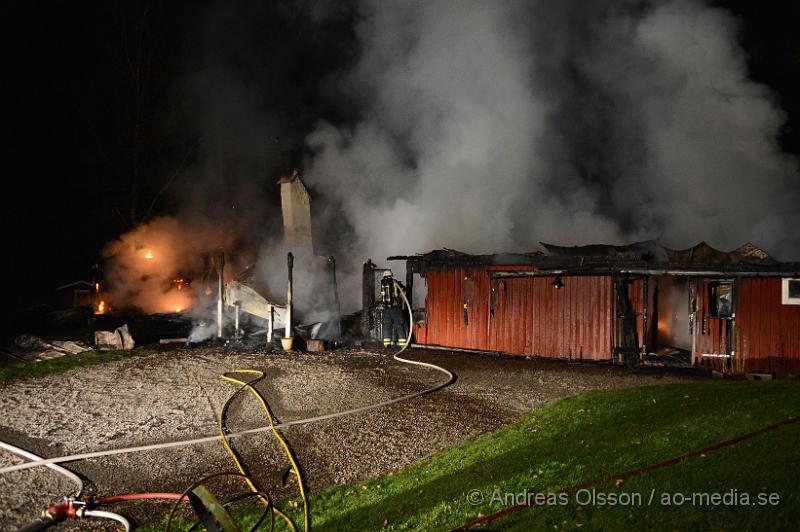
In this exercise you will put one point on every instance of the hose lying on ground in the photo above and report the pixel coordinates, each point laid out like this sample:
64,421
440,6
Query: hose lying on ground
632,472
58,469
271,509
102,514
208,439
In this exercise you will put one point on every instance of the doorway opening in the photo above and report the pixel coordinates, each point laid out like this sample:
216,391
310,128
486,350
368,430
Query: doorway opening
670,334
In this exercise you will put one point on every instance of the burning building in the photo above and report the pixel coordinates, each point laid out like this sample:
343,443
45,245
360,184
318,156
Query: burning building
733,312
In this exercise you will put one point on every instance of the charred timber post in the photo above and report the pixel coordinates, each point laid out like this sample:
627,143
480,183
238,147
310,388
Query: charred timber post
367,298
332,262
220,292
270,329
654,328
410,285
290,264
646,289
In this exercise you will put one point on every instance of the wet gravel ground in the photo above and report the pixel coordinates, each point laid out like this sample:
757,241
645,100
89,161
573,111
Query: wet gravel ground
178,395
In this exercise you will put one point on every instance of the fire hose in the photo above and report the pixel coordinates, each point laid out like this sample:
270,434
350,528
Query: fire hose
208,439
271,509
58,469
72,508
76,508
69,508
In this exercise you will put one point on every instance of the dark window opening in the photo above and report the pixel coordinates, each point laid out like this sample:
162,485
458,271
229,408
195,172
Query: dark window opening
794,288
420,292
721,299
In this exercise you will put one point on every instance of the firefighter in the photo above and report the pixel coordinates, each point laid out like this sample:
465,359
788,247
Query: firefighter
394,314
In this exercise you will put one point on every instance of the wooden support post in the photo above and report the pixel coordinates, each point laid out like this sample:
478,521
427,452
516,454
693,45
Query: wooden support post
290,264
270,325
332,262
410,285
220,288
367,298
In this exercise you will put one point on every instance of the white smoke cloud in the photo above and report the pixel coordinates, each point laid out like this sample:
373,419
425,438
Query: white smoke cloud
143,265
450,135
487,126
711,167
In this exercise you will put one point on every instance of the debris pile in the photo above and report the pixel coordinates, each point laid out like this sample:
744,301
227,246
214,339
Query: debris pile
30,348
119,338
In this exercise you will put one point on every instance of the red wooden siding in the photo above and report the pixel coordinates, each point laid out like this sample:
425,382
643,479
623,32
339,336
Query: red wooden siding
444,305
711,333
523,315
529,316
767,331
638,300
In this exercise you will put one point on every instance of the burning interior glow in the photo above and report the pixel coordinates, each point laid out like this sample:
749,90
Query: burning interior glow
101,308
163,266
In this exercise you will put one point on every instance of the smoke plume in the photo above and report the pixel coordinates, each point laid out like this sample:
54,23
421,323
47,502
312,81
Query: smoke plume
488,126
166,265
480,126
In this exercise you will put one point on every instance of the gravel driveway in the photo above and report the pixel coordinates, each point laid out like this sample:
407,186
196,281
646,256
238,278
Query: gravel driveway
178,395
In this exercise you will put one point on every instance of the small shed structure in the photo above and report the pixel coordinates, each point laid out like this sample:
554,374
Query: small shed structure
76,294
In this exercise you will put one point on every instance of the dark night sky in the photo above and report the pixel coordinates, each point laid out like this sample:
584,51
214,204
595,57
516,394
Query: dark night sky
72,105
70,97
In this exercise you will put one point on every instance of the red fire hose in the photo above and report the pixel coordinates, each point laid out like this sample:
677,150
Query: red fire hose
72,509
633,472
139,496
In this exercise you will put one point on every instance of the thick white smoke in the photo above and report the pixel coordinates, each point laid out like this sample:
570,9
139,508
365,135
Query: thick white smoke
168,264
484,127
711,167
450,135
487,126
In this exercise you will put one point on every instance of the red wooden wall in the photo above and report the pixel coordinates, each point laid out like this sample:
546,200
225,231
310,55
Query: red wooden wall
522,315
529,316
767,331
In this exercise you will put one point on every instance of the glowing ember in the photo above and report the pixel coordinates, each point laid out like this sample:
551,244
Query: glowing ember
176,299
101,308
149,254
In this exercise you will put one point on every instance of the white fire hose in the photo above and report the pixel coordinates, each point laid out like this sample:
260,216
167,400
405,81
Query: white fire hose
33,457
100,514
184,443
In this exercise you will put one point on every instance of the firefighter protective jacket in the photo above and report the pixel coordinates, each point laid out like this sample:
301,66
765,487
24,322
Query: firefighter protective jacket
390,293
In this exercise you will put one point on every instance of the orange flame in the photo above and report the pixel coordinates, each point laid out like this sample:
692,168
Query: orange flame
149,254
101,308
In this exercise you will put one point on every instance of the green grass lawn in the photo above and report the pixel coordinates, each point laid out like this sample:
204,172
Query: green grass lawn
15,369
587,437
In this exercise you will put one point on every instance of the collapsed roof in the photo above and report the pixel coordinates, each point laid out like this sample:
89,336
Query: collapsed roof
639,257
